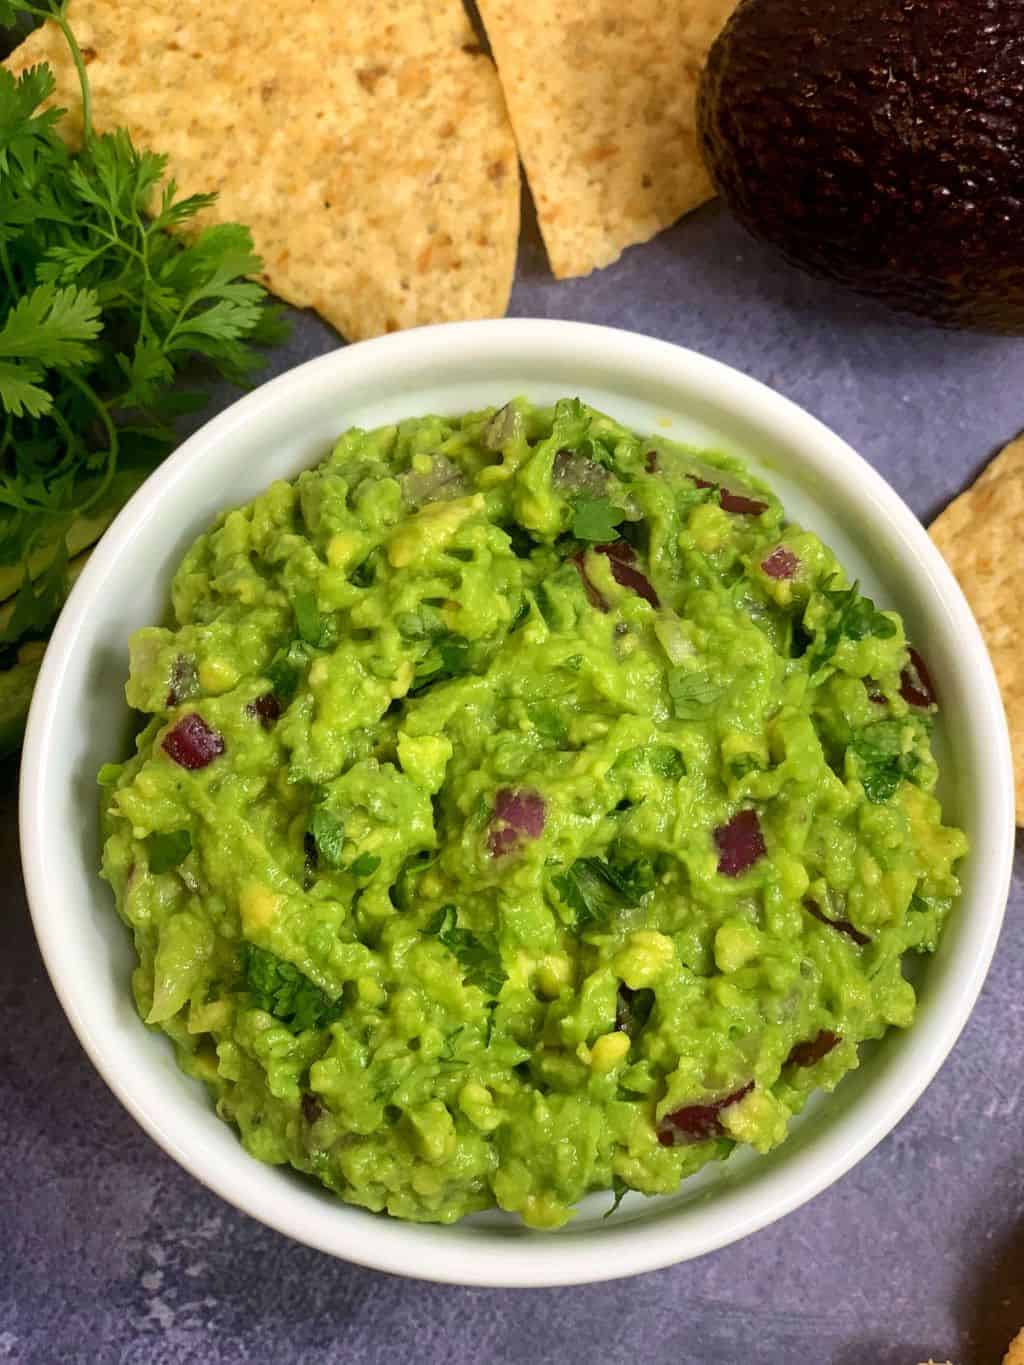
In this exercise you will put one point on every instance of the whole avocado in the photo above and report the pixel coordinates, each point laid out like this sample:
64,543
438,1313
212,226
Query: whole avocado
879,143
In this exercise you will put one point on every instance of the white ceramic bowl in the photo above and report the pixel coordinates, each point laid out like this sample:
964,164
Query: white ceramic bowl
79,720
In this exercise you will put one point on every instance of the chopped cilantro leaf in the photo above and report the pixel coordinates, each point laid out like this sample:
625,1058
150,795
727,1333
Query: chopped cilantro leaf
448,659
881,762
365,865
595,519
595,890
166,850
852,617
693,694
328,834
307,617
109,775
281,989
619,1191
546,718
285,671
477,954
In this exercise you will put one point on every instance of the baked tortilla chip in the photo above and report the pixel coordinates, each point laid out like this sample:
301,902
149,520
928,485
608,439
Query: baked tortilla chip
980,535
364,142
1015,1355
602,97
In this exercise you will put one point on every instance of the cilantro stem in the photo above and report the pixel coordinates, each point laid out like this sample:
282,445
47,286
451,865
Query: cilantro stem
59,17
5,263
90,394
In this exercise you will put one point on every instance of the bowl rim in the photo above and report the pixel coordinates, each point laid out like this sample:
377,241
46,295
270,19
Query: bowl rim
635,1246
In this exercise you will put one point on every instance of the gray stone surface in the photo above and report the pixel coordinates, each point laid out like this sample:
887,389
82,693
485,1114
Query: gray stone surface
110,1253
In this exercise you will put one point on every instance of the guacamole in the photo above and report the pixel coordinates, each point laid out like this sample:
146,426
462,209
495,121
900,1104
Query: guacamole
525,808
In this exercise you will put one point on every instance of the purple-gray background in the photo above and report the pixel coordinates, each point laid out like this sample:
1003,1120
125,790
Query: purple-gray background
110,1253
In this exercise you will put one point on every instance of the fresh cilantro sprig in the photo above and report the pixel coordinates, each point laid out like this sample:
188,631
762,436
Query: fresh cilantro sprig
103,303
281,989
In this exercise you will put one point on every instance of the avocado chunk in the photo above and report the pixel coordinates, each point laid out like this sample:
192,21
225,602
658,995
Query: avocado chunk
879,145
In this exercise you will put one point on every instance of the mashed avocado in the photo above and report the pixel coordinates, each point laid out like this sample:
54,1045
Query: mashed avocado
526,808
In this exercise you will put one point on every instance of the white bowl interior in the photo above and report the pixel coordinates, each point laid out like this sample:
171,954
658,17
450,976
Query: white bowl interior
79,720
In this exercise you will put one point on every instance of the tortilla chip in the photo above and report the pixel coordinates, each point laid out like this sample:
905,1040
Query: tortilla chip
603,101
365,142
980,535
1015,1355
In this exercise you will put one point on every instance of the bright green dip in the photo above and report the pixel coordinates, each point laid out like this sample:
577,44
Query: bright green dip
492,866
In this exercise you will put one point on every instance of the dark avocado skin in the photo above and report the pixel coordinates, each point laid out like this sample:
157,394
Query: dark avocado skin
881,145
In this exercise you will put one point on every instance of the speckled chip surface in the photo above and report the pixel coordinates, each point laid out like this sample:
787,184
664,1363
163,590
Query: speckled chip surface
979,534
602,97
365,142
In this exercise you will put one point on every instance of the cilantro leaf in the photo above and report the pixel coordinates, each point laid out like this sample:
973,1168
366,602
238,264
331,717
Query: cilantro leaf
619,1191
881,761
166,850
852,617
365,865
450,658
38,600
547,719
476,954
286,670
596,891
328,833
693,694
280,989
596,519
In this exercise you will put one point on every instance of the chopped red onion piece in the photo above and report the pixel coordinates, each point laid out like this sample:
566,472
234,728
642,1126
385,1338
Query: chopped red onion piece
781,563
740,843
578,473
192,743
916,683
841,926
732,502
519,814
621,555
736,502
807,1053
265,709
698,1122
593,596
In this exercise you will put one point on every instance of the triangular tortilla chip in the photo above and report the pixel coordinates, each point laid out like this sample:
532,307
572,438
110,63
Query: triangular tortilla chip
979,535
602,96
364,142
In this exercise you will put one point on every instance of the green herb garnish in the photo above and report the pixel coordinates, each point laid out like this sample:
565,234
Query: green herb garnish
596,890
281,989
881,761
477,954
619,1191
365,865
596,519
103,303
328,833
852,617
166,850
